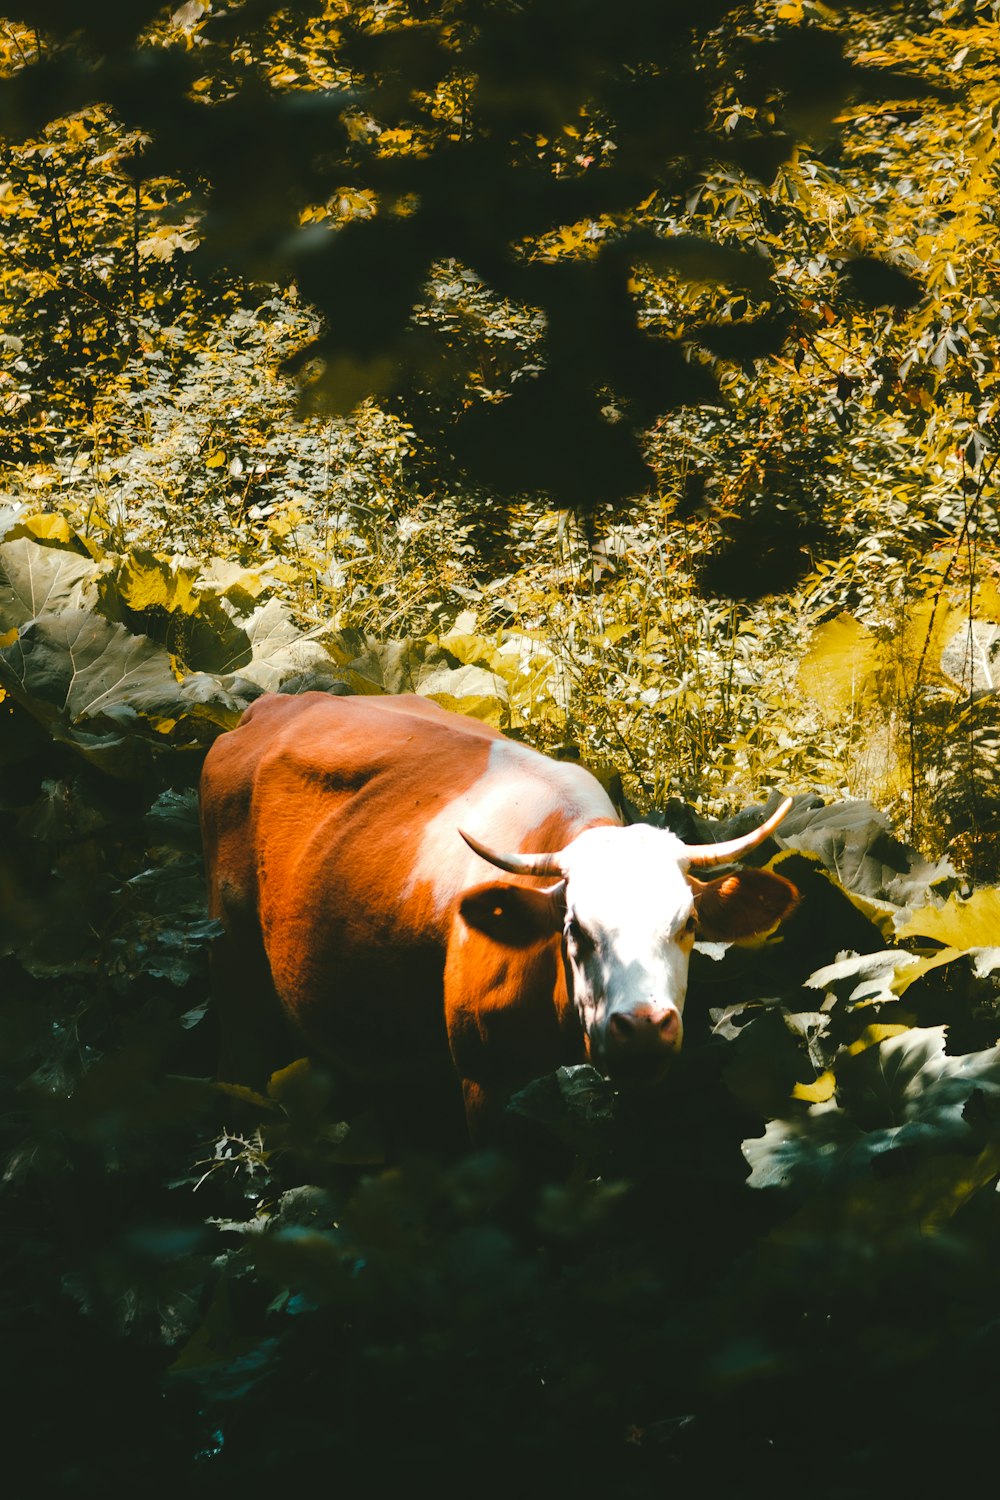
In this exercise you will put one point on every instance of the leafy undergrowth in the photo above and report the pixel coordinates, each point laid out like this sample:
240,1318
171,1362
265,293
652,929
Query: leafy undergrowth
780,1269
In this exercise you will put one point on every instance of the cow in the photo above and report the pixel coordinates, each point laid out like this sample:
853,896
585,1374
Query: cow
352,852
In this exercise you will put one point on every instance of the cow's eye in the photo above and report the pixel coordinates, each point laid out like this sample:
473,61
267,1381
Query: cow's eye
691,925
578,935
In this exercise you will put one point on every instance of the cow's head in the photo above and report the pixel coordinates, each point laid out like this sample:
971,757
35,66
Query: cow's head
630,910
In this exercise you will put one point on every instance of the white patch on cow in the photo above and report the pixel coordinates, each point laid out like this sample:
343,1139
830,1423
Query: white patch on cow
628,905
518,791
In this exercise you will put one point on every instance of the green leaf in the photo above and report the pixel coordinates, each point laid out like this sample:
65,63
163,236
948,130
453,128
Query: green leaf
855,842
37,580
905,1091
279,650
163,927
861,978
76,665
768,1057
575,1104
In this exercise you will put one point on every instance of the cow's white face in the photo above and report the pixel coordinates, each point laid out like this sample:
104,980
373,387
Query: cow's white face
628,910
628,933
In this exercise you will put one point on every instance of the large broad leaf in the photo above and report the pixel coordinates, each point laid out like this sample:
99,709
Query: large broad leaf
862,978
47,528
526,667
957,986
905,1092
77,665
838,670
172,822
576,1104
847,667
855,842
279,650
164,928
930,625
958,923
213,639
468,690
220,701
373,666
96,683
115,696
423,667
37,580
241,586
770,1055
146,580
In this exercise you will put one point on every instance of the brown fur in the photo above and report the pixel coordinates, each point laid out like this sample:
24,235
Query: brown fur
312,809
431,989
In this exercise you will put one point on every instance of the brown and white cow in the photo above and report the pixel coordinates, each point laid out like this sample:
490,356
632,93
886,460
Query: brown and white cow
348,844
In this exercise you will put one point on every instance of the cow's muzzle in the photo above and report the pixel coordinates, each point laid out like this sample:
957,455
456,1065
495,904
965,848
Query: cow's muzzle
640,1044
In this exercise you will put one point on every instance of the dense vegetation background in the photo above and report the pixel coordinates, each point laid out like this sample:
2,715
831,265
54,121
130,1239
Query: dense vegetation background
626,376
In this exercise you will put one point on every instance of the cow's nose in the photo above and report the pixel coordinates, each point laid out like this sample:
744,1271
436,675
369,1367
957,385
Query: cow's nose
641,1041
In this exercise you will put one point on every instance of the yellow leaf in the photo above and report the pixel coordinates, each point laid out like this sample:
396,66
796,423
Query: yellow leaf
986,605
973,923
146,581
50,529
838,670
215,459
817,1092
164,243
283,572
285,1078
285,520
930,625
244,1094
872,1035
7,639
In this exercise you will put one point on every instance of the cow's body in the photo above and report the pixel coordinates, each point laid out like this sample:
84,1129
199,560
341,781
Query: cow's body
333,836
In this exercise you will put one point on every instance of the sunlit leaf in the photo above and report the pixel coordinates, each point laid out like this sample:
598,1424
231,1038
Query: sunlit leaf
838,670
146,581
959,923
35,580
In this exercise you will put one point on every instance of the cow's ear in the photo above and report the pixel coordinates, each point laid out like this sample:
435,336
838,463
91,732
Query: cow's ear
515,915
746,904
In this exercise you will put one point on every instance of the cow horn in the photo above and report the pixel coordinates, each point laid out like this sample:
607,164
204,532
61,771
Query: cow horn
721,854
516,864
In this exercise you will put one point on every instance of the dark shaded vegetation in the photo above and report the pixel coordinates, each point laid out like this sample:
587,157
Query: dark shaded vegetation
546,236
231,1289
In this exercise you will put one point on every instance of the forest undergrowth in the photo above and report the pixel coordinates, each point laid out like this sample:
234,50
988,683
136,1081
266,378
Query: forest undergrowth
765,1274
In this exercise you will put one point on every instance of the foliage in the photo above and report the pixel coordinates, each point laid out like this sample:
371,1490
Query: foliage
852,462
822,1160
361,147
649,252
